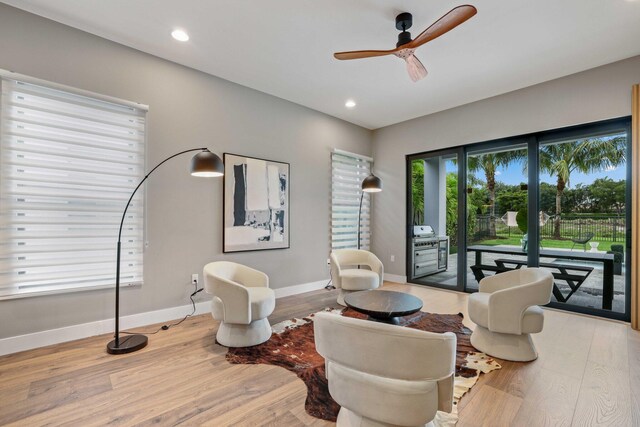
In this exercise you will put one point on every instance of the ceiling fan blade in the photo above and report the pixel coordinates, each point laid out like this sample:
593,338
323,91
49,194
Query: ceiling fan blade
415,68
448,22
358,54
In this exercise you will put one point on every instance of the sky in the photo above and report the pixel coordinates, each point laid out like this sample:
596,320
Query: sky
514,175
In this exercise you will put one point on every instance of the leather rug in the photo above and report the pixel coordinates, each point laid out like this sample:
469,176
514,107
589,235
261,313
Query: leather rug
292,347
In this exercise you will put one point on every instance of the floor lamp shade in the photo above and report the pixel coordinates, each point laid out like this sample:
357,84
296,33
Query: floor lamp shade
204,164
371,184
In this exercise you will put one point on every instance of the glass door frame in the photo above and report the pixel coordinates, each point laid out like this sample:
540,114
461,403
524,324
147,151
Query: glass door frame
461,264
533,142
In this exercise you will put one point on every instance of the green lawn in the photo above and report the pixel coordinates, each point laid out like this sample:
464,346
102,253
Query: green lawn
546,243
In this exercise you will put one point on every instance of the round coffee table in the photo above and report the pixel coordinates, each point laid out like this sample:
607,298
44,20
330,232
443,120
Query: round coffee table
383,306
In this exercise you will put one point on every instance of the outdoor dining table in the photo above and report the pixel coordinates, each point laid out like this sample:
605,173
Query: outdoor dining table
606,259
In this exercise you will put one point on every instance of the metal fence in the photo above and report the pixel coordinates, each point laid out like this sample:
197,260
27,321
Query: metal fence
611,228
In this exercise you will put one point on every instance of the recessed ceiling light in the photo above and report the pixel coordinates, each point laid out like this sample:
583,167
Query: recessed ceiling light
350,103
180,35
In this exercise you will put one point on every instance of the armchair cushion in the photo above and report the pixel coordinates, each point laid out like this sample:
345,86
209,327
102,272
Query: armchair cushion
532,319
359,280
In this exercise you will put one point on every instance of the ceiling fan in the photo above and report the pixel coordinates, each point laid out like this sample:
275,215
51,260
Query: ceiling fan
405,48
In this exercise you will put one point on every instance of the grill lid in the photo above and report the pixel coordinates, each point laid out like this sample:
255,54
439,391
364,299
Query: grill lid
423,231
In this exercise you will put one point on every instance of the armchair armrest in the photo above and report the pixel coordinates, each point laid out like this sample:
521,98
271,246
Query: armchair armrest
335,270
376,266
235,301
507,306
445,394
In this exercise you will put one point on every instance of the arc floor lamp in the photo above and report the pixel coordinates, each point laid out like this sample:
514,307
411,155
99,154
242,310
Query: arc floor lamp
204,164
371,184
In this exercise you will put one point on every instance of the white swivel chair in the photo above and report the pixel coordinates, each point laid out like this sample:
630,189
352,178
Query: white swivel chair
385,375
506,312
348,278
241,302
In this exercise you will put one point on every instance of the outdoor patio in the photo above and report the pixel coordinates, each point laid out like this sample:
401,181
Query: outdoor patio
589,294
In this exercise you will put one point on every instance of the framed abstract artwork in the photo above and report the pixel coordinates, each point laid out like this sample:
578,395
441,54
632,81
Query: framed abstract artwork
256,204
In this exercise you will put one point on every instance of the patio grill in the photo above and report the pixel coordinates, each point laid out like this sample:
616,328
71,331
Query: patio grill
429,253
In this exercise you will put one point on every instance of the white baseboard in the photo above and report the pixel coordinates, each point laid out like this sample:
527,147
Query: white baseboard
55,336
300,289
395,278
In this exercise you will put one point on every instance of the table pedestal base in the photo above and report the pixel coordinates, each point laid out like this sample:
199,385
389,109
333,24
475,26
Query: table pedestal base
389,320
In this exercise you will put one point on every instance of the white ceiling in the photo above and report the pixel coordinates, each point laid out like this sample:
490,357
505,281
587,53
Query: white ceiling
284,47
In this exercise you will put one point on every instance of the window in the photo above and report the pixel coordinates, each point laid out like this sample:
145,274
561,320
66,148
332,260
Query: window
347,172
68,164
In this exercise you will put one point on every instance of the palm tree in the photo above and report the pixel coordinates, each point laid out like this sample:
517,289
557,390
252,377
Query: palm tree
489,163
586,156
417,191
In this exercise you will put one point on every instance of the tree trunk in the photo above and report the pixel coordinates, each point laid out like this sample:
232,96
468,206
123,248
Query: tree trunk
559,190
491,186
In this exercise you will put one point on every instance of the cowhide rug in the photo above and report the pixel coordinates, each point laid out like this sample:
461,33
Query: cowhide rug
292,347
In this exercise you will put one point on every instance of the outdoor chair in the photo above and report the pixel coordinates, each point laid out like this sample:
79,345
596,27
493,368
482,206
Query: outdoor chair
543,218
525,242
582,240
618,260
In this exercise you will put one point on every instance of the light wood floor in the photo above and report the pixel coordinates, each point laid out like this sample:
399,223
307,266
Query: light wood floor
588,373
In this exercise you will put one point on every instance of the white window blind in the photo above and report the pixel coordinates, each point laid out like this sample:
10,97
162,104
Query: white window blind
347,172
68,164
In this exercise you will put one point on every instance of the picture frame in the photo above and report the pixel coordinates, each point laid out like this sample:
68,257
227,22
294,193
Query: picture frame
256,205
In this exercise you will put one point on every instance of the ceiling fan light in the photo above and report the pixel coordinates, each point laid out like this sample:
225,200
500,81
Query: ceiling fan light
415,68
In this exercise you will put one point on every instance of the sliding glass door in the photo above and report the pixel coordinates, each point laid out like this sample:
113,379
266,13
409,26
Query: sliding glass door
558,200
497,199
584,194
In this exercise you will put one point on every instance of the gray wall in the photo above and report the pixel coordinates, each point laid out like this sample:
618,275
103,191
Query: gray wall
597,94
187,109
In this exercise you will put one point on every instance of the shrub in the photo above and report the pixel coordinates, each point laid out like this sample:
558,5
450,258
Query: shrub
521,220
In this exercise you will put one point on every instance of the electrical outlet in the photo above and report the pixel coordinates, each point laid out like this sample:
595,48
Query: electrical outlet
195,278
393,258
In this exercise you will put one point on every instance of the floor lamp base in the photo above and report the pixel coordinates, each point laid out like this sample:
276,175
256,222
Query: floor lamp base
128,344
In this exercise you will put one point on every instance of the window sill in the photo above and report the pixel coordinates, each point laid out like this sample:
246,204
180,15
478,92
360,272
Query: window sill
45,292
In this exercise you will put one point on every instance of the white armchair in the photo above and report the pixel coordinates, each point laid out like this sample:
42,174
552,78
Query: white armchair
506,312
241,302
347,278
385,375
